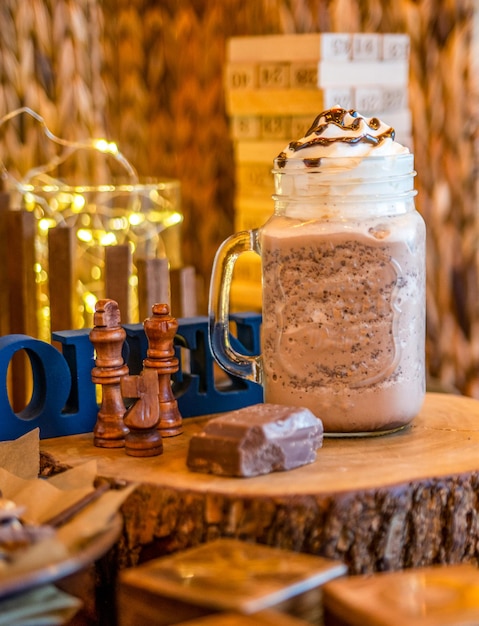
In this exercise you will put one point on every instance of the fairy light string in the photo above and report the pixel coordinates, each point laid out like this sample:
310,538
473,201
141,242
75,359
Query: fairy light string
101,215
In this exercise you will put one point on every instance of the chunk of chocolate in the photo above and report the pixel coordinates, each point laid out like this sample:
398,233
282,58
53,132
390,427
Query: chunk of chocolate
258,439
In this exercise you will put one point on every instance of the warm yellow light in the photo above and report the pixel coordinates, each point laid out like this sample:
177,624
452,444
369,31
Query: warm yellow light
172,219
108,239
105,146
90,300
54,204
45,312
43,299
165,219
133,281
40,274
118,223
45,224
63,198
96,272
85,235
29,201
136,218
78,203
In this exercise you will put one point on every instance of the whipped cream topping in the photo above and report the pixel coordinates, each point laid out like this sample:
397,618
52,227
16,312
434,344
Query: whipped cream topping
338,132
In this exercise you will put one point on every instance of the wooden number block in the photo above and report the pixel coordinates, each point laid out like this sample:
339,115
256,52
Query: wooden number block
336,46
276,127
240,76
368,99
366,46
301,123
344,96
304,75
255,178
273,75
291,47
245,127
252,214
362,73
394,98
274,101
259,151
395,47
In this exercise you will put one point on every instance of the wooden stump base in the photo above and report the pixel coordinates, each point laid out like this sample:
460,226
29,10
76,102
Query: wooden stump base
382,503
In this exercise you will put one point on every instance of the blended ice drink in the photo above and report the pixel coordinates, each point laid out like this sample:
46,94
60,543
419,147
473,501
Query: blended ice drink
343,265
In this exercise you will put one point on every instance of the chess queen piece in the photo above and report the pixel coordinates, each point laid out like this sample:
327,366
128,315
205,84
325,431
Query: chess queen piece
107,338
160,330
142,417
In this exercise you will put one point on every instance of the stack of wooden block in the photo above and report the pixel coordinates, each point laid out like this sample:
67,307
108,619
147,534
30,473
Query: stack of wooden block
276,85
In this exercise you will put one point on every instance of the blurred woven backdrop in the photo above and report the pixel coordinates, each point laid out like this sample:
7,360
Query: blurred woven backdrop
148,75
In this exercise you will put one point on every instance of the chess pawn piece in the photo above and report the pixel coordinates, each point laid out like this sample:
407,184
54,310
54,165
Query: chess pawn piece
107,338
144,438
160,330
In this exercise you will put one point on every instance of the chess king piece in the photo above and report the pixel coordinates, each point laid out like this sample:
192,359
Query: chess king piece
143,438
107,338
160,330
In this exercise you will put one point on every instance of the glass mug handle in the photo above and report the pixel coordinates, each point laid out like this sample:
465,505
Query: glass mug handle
241,365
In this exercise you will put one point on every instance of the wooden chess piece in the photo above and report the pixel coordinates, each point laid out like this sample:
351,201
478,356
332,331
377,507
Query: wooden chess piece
160,330
144,438
107,338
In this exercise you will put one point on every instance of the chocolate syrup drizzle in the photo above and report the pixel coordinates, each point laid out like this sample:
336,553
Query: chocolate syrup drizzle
337,117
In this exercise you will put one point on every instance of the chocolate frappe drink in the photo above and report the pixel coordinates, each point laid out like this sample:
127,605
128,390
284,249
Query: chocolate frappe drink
343,267
344,278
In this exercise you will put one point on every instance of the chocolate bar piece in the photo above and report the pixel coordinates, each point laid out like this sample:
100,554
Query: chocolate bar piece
258,439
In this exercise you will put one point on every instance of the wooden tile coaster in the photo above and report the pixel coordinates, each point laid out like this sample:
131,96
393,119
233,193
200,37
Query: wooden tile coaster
224,575
441,595
263,618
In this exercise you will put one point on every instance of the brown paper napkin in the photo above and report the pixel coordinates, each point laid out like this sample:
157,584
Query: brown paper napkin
22,456
45,498
41,498
94,518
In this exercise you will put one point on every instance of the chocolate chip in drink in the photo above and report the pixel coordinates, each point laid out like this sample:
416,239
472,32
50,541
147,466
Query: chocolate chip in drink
256,440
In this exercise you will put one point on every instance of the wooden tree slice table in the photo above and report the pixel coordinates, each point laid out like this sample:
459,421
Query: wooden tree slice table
377,503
